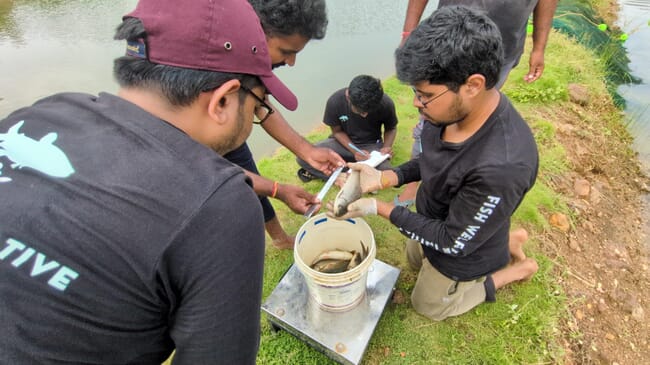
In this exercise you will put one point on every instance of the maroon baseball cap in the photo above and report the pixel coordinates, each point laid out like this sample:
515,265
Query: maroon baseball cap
212,35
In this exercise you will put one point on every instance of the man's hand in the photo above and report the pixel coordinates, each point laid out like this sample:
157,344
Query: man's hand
297,198
370,177
358,208
324,159
358,156
536,66
387,151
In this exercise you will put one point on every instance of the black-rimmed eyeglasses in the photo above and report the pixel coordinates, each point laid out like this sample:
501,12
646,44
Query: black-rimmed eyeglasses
424,103
262,111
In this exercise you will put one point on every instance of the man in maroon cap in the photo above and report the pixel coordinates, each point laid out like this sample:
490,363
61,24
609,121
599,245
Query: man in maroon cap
123,235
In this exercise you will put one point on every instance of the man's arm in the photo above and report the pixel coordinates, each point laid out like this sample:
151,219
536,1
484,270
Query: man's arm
278,128
323,159
345,141
389,139
390,126
542,24
220,251
295,197
413,14
481,207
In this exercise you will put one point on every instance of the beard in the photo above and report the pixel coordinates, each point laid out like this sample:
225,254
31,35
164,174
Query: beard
276,65
456,111
234,139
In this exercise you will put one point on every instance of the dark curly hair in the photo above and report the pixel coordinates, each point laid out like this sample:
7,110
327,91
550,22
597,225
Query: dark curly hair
365,92
449,46
288,17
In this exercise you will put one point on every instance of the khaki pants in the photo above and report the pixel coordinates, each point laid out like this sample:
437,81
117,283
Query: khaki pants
436,296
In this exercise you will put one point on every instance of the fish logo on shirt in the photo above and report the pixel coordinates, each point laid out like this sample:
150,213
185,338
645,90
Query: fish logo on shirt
344,118
41,155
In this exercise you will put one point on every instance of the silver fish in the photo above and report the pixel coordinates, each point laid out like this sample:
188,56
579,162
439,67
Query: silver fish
333,255
364,251
351,191
355,261
331,266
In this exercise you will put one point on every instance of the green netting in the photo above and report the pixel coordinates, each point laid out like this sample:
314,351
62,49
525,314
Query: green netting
577,19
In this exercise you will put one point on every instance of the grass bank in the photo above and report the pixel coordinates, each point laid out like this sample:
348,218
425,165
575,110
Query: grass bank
524,325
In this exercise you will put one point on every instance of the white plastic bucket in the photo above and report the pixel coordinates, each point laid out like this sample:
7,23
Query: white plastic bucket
341,291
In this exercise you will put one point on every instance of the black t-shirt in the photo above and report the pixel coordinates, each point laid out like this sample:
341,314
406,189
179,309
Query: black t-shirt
121,238
510,16
361,130
468,192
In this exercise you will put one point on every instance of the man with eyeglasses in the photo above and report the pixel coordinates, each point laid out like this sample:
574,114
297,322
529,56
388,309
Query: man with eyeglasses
479,158
289,26
362,119
512,19
262,110
124,233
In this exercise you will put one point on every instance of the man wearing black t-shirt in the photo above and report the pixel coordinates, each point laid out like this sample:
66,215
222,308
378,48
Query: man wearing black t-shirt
356,116
124,233
479,158
289,26
512,19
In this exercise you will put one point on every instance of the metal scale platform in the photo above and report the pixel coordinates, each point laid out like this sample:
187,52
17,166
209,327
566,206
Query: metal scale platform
341,336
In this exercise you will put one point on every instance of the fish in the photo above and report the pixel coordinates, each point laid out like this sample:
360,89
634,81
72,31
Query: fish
351,191
41,155
364,251
355,261
333,255
337,261
330,266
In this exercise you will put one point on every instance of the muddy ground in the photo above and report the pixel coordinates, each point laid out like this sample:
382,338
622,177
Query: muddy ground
600,248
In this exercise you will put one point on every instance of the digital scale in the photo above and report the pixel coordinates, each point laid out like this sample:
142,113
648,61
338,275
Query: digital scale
341,336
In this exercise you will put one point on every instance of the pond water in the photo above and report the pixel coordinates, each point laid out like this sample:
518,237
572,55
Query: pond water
634,19
49,46
64,45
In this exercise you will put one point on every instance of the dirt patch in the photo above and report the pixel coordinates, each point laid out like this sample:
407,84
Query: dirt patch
602,256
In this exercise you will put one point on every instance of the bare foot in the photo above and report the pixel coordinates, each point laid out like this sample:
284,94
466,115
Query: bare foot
279,237
528,268
516,243
285,243
519,271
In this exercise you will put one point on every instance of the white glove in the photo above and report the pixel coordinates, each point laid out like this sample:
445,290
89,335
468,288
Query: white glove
358,208
370,178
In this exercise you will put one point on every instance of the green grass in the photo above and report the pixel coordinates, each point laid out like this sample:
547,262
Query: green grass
522,327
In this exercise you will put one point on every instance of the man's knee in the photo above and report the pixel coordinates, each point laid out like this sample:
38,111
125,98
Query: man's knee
437,297
434,312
